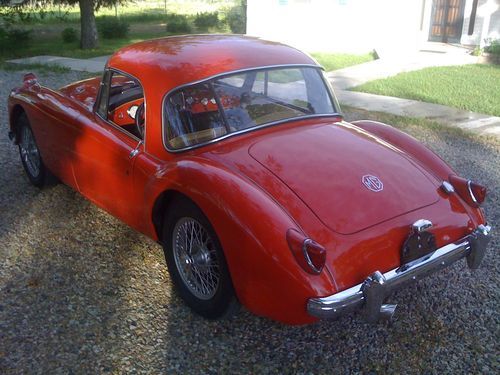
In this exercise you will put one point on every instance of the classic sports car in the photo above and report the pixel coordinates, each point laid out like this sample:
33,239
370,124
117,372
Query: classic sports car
232,153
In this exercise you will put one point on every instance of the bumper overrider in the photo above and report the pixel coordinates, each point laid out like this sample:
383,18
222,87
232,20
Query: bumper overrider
368,297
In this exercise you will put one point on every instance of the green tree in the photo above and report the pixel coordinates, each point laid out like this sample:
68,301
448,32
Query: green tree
88,27
88,36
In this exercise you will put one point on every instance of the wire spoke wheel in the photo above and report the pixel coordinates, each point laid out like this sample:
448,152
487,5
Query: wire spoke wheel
29,152
196,258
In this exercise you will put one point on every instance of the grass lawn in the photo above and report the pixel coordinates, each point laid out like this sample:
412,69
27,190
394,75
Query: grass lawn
471,87
55,47
335,61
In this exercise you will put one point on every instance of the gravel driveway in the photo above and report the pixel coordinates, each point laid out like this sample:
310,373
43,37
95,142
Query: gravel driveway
80,292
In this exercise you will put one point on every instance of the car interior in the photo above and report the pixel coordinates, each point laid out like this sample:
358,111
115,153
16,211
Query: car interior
195,118
126,104
247,100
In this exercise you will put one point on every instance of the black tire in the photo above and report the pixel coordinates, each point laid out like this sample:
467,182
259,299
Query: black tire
216,301
33,165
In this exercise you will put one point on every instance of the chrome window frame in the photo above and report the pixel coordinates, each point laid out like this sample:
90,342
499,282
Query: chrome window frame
98,98
169,93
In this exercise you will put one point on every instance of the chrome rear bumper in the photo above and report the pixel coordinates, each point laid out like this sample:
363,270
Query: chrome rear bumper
369,296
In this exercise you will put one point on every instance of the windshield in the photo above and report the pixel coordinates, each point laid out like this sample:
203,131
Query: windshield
205,111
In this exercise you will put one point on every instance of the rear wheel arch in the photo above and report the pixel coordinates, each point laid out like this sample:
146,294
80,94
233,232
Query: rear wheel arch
163,204
251,228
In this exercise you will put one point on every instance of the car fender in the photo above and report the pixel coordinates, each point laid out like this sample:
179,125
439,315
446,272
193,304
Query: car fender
406,143
252,230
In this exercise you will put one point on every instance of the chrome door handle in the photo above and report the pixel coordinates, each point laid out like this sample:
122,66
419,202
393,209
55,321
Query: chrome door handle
135,151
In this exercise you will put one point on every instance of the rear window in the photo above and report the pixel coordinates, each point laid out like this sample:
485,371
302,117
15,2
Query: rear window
203,112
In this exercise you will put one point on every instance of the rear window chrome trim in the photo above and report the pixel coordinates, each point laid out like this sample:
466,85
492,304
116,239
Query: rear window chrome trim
235,72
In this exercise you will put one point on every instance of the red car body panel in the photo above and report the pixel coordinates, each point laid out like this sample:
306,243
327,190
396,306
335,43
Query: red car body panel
255,186
332,162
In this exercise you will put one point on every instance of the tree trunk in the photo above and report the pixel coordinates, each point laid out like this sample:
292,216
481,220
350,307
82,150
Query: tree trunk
88,37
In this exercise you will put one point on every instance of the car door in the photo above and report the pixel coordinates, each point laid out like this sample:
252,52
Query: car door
107,148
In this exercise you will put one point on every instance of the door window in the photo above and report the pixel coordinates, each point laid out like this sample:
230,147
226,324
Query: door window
121,103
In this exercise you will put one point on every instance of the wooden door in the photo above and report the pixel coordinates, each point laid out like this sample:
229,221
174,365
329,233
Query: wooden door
446,21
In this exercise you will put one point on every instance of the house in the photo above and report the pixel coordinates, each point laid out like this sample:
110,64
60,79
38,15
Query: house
388,26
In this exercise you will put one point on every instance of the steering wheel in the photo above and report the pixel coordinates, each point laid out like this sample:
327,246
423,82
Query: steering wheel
139,120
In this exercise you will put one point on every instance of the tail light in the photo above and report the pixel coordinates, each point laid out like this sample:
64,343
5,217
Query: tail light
474,194
310,255
29,80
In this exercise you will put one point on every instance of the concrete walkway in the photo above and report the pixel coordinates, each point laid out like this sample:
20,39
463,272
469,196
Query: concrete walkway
385,67
356,75
93,65
466,120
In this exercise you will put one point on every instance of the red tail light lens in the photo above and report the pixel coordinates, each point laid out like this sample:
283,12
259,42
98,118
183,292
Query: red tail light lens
473,193
310,255
29,80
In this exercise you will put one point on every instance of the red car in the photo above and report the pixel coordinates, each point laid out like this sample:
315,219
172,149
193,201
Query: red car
233,154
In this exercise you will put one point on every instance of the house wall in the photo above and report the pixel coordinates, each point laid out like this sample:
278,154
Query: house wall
487,23
388,26
338,25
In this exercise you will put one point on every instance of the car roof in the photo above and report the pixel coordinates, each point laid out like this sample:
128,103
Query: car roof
173,61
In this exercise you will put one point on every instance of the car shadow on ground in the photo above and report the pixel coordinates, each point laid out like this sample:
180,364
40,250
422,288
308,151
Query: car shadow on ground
82,292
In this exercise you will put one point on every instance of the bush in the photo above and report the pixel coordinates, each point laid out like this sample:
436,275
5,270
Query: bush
178,23
18,36
69,35
493,46
206,19
112,28
15,37
477,51
12,38
237,20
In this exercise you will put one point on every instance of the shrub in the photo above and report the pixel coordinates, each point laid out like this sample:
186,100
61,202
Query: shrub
237,20
493,46
112,27
13,38
477,51
19,36
69,35
178,23
206,19
3,38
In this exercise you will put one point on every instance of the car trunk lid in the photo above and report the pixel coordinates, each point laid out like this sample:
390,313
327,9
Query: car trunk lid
349,178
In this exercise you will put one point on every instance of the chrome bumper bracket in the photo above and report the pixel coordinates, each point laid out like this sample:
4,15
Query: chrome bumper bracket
373,289
479,240
369,296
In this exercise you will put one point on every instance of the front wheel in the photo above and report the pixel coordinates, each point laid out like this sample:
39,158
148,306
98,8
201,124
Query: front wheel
31,159
196,262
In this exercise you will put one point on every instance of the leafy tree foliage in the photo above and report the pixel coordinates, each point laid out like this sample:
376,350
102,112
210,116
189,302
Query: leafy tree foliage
88,34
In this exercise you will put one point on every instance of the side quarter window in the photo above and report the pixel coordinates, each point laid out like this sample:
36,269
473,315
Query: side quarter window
121,103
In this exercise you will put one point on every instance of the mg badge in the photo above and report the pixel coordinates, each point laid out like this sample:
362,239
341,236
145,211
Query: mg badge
372,183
